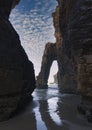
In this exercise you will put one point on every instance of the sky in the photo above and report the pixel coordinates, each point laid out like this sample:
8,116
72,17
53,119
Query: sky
32,19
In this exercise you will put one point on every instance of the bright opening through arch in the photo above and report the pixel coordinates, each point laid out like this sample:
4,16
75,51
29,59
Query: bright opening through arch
53,71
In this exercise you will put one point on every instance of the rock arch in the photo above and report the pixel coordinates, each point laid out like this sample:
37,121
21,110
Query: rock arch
47,60
54,51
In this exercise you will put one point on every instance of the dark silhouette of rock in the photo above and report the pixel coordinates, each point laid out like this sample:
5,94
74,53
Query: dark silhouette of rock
76,29
17,79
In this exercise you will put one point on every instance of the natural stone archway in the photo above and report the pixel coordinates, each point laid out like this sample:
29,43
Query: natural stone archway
73,32
66,75
47,60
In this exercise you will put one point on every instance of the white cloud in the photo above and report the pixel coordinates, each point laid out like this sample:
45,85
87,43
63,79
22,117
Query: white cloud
35,29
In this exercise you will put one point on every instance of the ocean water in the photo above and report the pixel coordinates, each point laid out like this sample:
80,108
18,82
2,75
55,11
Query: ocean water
49,110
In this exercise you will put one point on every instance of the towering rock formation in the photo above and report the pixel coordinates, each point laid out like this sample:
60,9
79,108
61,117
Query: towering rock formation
76,29
66,75
17,80
73,32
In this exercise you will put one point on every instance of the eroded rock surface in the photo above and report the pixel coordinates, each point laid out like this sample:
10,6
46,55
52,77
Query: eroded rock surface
76,30
47,60
73,32
17,79
66,75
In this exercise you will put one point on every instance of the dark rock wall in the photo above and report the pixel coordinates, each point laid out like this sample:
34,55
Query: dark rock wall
66,75
17,79
76,29
55,79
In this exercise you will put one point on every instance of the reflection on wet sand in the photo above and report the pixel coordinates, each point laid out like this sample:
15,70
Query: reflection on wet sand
59,111
48,118
50,110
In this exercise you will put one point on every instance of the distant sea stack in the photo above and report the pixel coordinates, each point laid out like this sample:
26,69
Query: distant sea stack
17,79
73,31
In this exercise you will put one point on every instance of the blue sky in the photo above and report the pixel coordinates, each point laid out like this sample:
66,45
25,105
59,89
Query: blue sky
33,21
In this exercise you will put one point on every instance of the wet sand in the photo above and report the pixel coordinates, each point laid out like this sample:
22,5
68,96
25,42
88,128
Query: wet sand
49,110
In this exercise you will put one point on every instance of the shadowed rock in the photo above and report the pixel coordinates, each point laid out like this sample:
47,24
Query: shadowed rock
47,60
66,75
17,79
76,29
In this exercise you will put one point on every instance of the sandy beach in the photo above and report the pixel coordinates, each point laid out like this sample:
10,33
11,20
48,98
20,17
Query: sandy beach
49,110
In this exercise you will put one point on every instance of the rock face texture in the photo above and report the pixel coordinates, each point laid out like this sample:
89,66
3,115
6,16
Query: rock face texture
17,79
66,75
73,32
76,29
47,60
